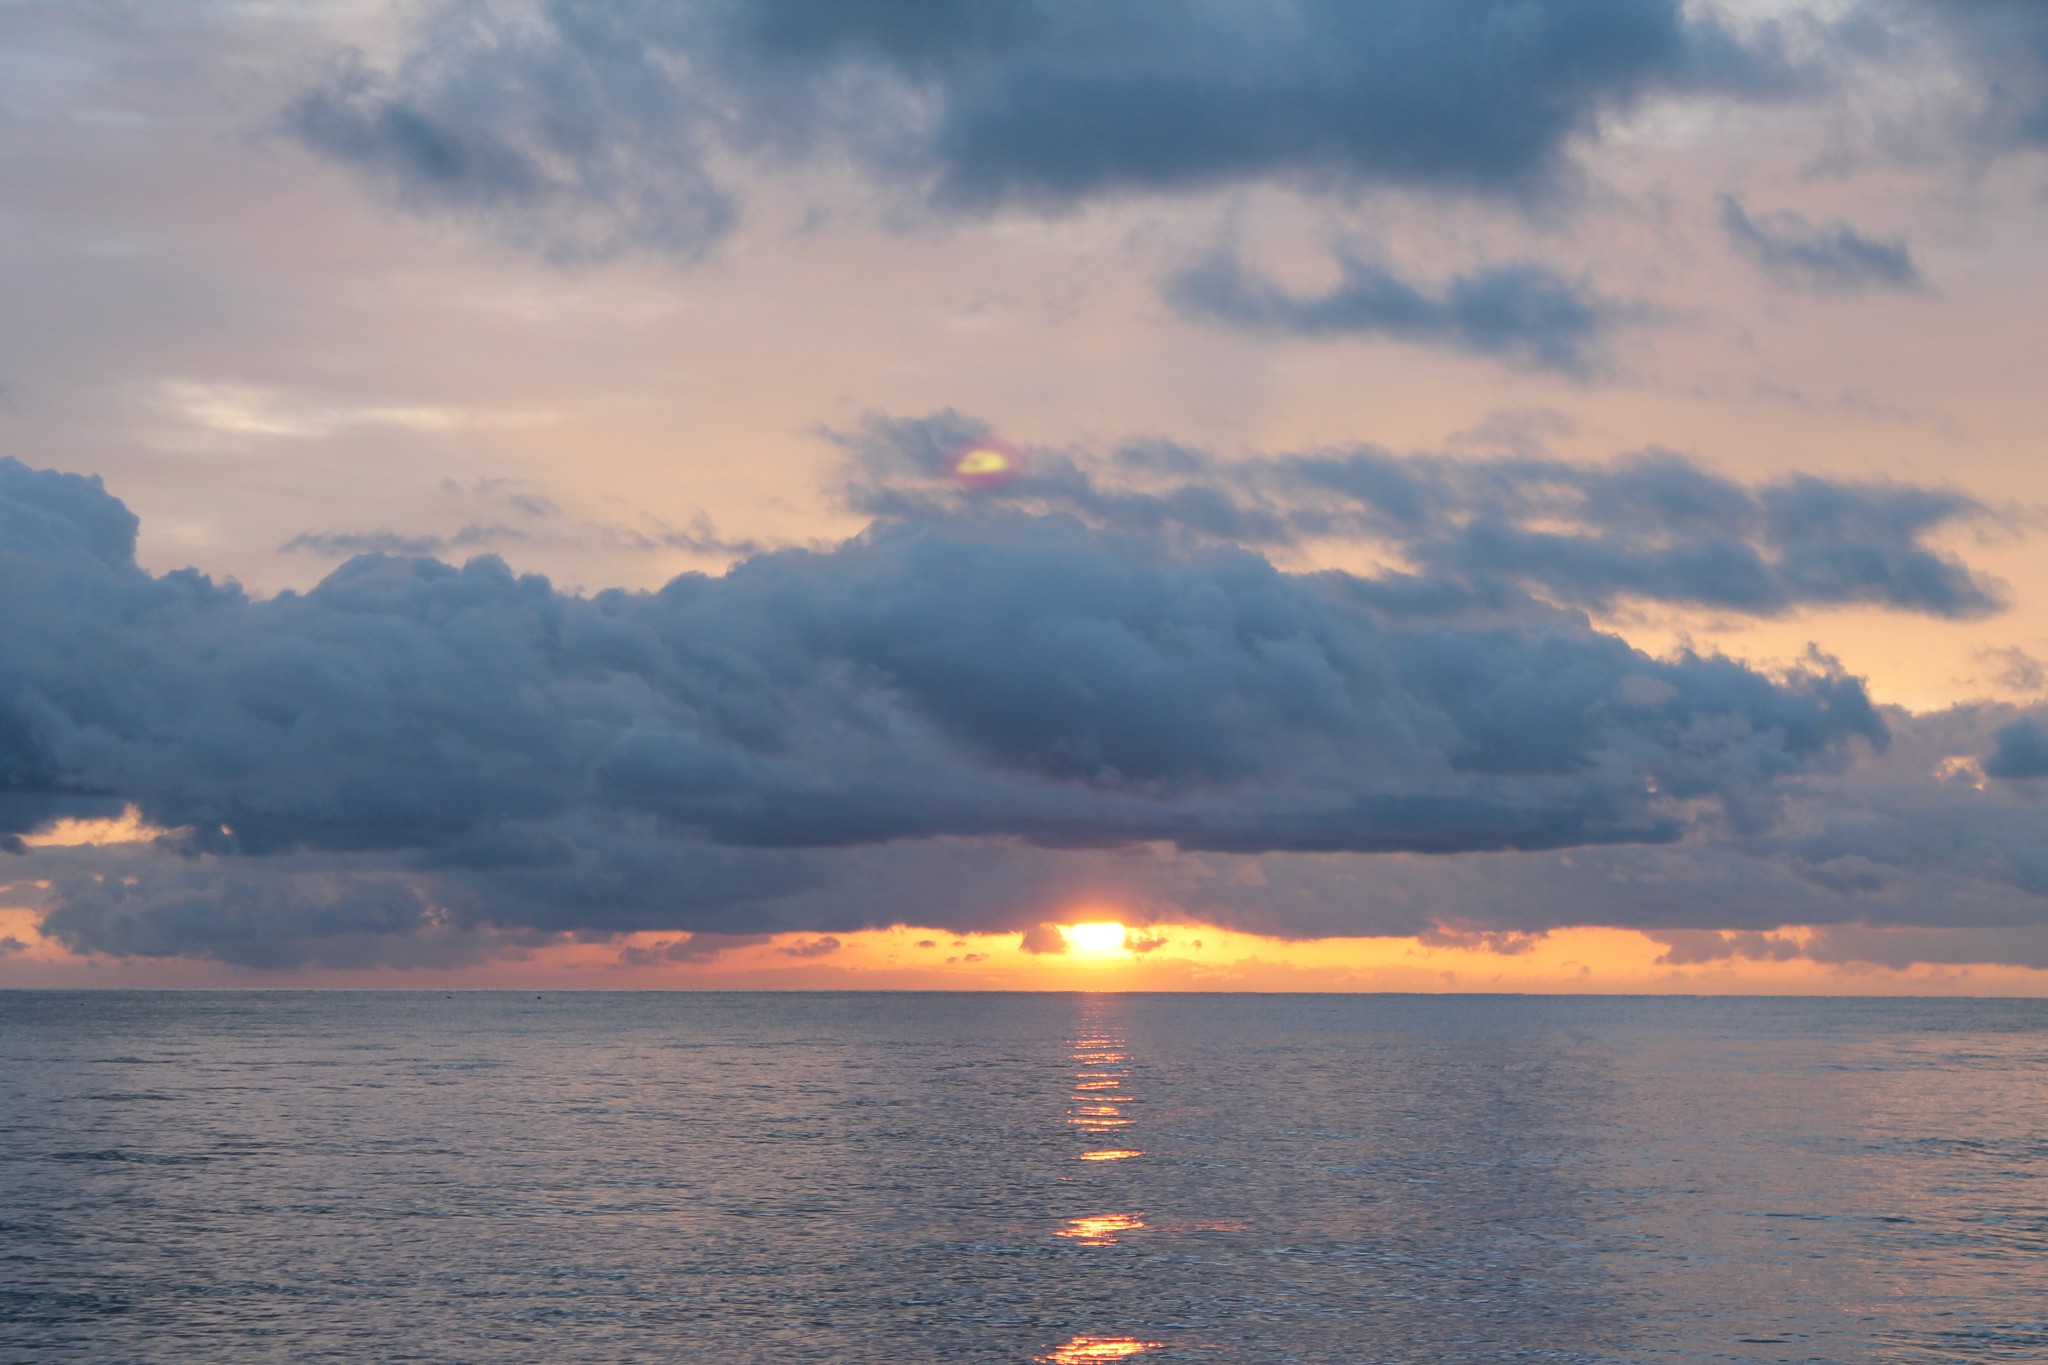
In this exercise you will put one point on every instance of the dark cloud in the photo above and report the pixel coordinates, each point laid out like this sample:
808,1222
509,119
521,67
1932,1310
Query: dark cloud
583,127
570,132
1043,938
1478,534
1804,255
2002,46
48,519
2022,751
1526,315
1696,947
443,748
689,948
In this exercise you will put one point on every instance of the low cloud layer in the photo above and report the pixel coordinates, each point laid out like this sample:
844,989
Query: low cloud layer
488,748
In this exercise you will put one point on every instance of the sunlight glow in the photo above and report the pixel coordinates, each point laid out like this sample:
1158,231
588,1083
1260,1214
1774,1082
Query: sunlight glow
128,828
1100,938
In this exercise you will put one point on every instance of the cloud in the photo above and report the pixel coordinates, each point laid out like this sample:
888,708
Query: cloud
2022,751
565,131
254,410
1479,534
1845,944
1043,938
1525,315
700,537
2003,48
1831,259
582,129
348,544
2018,670
413,748
1696,947
689,948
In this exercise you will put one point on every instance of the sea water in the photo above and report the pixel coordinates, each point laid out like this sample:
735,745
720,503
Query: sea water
400,1176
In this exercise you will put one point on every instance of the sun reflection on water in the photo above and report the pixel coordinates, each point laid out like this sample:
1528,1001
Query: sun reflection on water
1083,1349
1102,1229
1101,1087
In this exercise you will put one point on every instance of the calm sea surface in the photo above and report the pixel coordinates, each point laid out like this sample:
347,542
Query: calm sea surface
681,1177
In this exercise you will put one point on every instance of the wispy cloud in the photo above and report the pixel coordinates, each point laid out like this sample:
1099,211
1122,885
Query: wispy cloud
1524,314
255,410
1831,258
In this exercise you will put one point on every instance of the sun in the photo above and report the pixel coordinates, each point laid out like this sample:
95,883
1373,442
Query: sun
1100,938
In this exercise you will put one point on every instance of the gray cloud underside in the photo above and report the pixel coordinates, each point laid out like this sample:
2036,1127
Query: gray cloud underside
1524,314
2002,46
586,127
583,128
1479,534
2020,752
1803,255
690,757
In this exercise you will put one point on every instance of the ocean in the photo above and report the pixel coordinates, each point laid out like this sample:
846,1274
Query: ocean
557,1177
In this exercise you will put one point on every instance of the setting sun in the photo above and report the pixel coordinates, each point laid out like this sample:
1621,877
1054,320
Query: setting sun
1103,937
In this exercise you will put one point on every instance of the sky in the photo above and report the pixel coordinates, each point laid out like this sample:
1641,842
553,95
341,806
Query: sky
1363,494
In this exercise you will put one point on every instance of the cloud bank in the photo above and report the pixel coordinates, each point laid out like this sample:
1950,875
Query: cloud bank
489,748
971,713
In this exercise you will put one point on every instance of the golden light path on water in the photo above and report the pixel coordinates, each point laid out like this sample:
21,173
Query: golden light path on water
1100,1091
1102,1229
1082,1349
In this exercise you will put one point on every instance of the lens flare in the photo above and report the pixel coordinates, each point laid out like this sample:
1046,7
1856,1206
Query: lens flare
987,464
